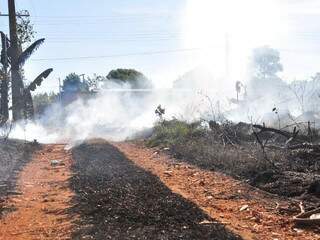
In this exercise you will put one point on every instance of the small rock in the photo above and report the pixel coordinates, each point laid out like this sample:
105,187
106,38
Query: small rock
202,183
168,173
315,216
297,230
243,208
55,163
205,222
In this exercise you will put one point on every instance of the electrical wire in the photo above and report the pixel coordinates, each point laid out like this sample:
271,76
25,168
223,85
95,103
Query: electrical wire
119,55
185,50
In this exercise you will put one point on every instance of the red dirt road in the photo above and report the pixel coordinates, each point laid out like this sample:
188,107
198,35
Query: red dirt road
39,210
222,197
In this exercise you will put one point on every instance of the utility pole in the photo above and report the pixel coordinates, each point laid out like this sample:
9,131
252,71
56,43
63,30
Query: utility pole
4,102
22,104
60,90
82,75
12,53
227,39
16,79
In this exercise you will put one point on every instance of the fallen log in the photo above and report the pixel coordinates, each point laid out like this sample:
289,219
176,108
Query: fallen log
308,146
303,146
308,218
274,130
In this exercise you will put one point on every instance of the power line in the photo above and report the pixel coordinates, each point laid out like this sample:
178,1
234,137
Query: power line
103,16
139,54
119,55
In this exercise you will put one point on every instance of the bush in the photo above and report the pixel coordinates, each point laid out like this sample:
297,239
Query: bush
210,148
233,149
170,133
42,101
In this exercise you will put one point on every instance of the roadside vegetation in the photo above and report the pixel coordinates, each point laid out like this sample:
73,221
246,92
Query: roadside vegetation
253,153
279,152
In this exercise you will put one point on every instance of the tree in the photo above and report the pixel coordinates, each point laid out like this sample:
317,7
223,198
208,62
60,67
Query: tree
42,101
265,67
95,82
134,79
72,84
305,92
25,29
266,62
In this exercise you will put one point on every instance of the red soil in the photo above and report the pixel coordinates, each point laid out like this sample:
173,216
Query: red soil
263,216
40,209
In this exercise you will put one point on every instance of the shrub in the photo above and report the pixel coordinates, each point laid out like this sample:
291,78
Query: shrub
209,148
170,133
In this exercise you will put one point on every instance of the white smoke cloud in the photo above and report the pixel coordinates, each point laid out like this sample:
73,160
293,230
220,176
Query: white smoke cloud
118,113
115,113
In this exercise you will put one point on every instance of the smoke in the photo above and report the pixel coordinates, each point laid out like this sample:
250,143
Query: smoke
227,35
116,112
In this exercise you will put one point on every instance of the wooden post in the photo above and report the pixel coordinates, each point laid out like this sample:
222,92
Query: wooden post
4,101
16,79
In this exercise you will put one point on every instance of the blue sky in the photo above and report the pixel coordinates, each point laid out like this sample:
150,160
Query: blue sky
75,28
101,28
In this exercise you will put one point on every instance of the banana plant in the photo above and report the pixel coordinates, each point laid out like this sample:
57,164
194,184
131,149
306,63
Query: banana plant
24,102
27,104
37,82
26,54
27,98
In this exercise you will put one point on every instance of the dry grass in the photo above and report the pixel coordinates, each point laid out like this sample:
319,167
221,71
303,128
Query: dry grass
233,149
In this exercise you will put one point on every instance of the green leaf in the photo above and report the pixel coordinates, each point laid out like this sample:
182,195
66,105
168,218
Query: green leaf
29,51
39,79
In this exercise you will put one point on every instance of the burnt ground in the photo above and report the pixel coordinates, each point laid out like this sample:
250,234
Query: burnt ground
14,155
234,150
222,197
119,200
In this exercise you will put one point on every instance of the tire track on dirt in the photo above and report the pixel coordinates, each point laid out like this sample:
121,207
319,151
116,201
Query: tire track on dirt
119,200
41,209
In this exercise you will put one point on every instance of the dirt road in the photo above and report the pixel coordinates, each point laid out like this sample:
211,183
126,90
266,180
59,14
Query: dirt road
119,200
251,213
123,191
42,199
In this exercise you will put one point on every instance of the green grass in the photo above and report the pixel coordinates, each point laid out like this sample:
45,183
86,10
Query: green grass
170,133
